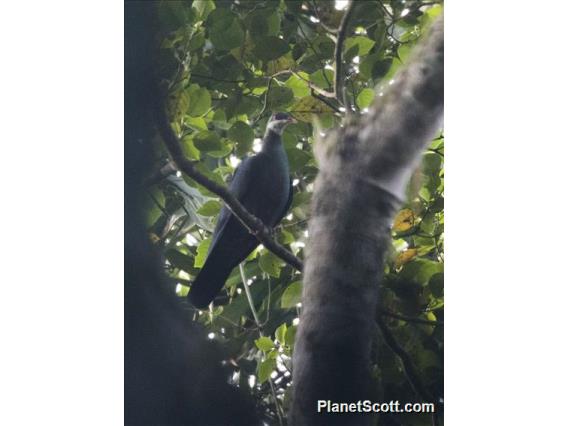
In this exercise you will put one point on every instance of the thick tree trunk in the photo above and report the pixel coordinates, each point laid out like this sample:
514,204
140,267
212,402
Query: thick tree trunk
172,373
364,169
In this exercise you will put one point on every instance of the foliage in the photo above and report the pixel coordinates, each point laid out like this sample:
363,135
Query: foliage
226,66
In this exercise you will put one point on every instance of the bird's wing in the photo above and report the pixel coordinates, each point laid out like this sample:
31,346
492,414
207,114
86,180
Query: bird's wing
240,185
288,203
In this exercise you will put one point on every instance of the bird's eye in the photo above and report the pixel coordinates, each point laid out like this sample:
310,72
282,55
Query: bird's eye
280,116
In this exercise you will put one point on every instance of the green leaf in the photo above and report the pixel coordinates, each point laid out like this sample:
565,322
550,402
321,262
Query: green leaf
199,100
431,163
427,359
284,62
202,250
301,199
298,86
189,149
297,159
263,23
270,264
436,285
207,140
225,30
203,8
178,103
226,148
285,237
174,15
247,105
182,290
279,96
270,48
265,369
264,343
210,208
374,66
367,64
196,123
365,98
280,333
322,78
273,354
197,41
292,295
364,44
305,107
219,117
324,46
433,12
291,335
243,135
420,270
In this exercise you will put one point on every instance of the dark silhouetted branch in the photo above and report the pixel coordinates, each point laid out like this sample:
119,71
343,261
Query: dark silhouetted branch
410,319
338,78
410,370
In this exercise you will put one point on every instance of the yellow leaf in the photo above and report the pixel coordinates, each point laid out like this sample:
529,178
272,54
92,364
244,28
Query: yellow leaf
282,63
405,257
308,105
404,220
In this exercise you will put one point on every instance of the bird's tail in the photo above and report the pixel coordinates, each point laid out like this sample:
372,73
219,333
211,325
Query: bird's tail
208,283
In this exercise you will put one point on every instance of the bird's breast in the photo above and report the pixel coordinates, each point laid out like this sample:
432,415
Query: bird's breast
271,190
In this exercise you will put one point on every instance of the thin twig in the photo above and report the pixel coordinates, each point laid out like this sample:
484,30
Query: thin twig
410,319
325,101
408,366
315,87
254,225
338,77
321,23
315,52
162,209
259,116
249,298
268,304
209,77
261,334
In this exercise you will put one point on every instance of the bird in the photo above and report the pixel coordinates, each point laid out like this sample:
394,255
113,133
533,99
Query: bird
263,185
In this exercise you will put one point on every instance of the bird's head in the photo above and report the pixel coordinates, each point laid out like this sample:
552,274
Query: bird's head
278,121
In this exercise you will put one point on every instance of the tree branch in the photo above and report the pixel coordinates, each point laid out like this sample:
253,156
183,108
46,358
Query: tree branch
338,78
325,101
408,366
254,225
209,77
315,87
410,319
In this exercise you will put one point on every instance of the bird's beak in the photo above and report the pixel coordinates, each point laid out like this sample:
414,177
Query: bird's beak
292,120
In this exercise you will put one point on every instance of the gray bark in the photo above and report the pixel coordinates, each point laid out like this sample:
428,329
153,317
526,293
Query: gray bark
364,168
